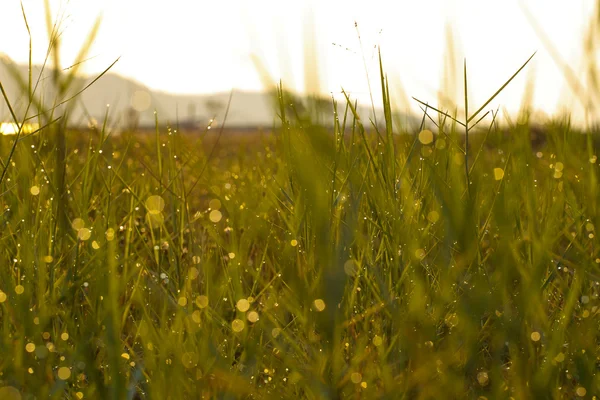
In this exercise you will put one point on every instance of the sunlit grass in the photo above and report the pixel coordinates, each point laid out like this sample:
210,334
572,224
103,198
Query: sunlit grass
306,264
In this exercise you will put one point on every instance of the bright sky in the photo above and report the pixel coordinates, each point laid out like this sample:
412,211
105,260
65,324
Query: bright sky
197,46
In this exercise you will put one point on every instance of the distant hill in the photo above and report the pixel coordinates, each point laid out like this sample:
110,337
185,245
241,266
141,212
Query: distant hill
133,103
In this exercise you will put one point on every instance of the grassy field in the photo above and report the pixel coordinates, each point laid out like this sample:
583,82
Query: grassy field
303,264
311,263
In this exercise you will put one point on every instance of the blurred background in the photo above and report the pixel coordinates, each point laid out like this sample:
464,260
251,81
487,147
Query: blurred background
183,57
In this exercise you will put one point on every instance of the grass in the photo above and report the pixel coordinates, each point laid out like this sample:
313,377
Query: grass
308,264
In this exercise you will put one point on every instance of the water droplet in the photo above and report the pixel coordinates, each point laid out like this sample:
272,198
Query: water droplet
64,373
319,304
243,305
202,301
252,316
237,325
498,174
426,136
215,216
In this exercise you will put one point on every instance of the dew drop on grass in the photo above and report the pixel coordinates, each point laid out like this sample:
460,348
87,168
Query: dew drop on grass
363,385
535,336
275,332
252,316
426,136
196,316
84,234
19,289
155,204
202,301
2,297
35,190
377,340
215,216
64,373
482,378
356,377
420,254
237,325
498,174
110,234
95,245
79,395
30,347
560,357
243,305
48,259
125,356
64,336
319,304
294,243
581,391
196,259
182,301
77,224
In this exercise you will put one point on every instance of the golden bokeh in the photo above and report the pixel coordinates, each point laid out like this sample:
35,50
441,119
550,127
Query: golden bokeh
319,305
426,137
64,373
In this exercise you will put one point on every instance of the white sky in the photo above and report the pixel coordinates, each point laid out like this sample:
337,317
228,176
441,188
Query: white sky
199,46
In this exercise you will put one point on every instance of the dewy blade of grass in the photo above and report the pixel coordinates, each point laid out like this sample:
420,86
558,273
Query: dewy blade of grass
29,92
56,106
83,51
212,151
366,71
429,116
441,112
494,115
479,120
158,150
9,105
500,90
466,127
7,163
